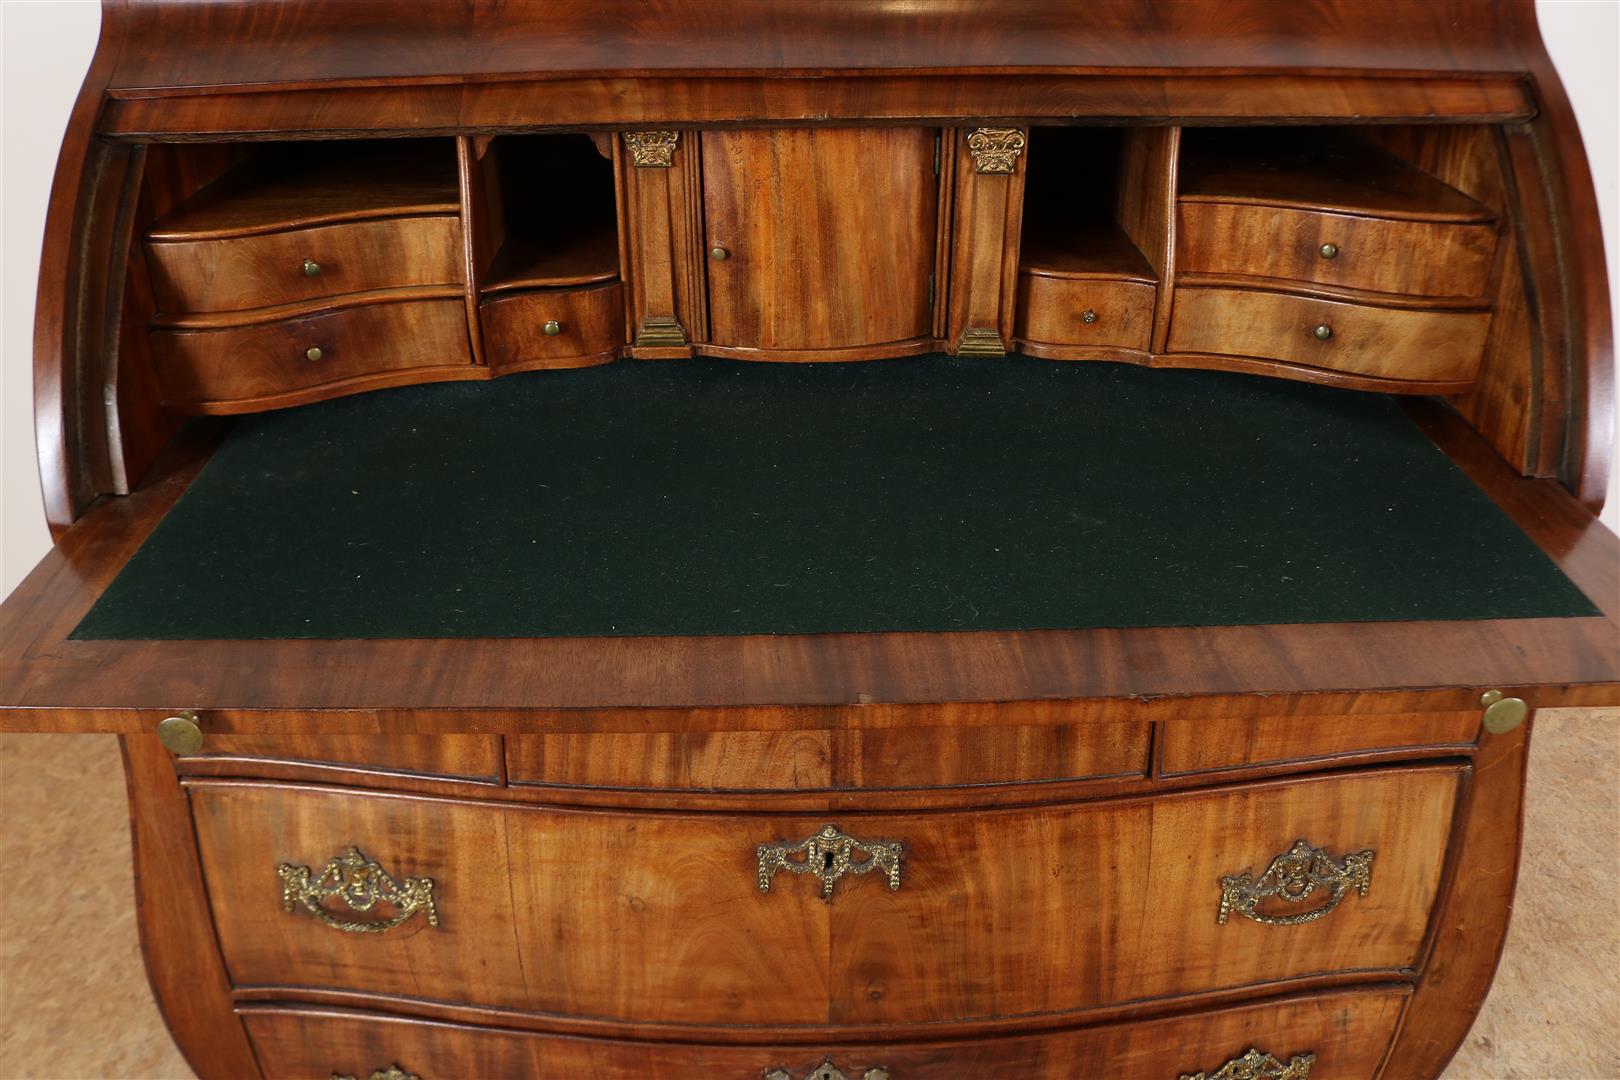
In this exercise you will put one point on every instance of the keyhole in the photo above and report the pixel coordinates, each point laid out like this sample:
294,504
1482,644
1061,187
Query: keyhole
826,860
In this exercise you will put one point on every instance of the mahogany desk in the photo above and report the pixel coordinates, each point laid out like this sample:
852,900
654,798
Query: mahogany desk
1002,707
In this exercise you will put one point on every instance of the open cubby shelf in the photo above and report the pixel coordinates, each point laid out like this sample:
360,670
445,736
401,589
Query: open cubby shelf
551,212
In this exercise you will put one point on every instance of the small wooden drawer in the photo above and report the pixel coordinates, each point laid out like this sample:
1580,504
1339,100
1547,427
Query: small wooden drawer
1346,1033
460,757
1384,343
873,759
1085,311
554,328
240,272
266,364
1198,745
684,918
1408,258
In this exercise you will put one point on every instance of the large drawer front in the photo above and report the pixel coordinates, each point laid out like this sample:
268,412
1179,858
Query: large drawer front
1410,258
240,272
1345,1033
661,917
1384,343
254,363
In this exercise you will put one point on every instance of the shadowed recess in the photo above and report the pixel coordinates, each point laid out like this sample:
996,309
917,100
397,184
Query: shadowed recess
929,494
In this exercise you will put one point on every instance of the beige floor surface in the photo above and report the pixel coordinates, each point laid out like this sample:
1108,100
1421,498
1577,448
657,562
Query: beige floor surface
74,1001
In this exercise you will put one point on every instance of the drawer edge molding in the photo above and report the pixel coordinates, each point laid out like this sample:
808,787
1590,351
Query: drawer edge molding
362,884
1294,877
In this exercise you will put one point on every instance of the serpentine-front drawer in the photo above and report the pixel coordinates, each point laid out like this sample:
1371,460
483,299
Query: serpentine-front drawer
1358,339
1339,1036
886,920
234,273
1439,259
266,365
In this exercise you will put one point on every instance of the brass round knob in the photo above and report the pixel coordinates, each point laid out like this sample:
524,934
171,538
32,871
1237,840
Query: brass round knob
1323,332
311,268
1330,250
180,734
719,254
1088,316
313,353
1502,713
552,328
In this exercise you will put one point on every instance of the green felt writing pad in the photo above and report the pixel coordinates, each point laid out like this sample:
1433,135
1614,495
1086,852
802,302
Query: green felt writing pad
714,497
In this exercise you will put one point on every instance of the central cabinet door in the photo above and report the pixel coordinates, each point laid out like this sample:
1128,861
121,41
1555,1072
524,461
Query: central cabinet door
820,238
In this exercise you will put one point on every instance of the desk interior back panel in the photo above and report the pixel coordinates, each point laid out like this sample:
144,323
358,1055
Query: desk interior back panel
930,494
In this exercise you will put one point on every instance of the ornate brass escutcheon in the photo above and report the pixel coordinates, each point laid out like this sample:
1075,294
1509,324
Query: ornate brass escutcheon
826,1071
827,855
359,883
393,1072
1255,1065
1294,877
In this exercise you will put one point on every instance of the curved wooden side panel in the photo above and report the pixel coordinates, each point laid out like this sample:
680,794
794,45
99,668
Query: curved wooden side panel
1471,922
1574,275
70,304
183,961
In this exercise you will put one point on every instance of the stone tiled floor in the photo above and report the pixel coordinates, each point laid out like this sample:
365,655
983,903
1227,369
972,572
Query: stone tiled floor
74,1001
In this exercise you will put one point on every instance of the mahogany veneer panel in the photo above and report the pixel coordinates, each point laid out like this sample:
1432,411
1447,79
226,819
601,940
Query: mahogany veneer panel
829,235
590,327
1201,744
1442,347
1347,1032
1421,258
880,759
239,368
268,269
475,757
664,923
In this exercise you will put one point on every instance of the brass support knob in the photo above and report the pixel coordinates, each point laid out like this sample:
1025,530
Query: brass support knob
1323,332
180,734
552,328
312,268
719,254
1088,316
313,353
1330,251
1502,713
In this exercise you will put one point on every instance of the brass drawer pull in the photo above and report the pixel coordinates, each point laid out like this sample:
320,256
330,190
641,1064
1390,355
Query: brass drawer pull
552,328
312,268
313,354
393,1072
362,885
1294,877
1330,251
827,856
1258,1066
827,1071
1088,316
1323,332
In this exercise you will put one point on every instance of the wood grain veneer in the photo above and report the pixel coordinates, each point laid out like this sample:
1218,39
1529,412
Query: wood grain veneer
828,234
1346,1032
590,327
240,368
268,269
1384,343
641,897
